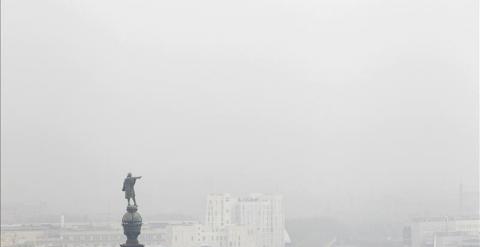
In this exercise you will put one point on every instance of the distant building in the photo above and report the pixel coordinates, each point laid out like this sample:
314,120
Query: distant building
257,220
219,211
456,239
443,232
186,235
241,236
266,214
201,236
78,235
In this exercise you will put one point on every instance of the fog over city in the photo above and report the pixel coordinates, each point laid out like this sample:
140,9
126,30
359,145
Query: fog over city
361,111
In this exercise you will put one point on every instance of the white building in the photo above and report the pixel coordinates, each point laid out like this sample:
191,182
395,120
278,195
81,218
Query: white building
77,235
266,214
220,211
241,236
456,239
194,235
257,220
445,231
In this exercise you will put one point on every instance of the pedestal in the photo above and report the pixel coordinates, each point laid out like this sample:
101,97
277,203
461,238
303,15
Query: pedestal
132,224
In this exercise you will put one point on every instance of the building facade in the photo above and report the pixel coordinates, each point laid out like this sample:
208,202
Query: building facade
257,220
266,214
444,232
220,209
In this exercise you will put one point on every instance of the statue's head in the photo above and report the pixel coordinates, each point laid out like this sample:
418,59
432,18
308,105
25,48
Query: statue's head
129,174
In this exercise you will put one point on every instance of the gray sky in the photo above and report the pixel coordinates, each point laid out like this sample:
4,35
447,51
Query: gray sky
345,107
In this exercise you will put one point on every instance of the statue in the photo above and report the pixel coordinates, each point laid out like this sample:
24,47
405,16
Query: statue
131,220
128,184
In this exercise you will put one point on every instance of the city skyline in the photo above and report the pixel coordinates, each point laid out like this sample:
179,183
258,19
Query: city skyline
362,115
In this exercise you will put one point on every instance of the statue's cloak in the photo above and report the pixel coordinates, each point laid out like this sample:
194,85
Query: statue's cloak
128,184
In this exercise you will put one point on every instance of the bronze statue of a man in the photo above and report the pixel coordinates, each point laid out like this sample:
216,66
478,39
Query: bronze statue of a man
128,184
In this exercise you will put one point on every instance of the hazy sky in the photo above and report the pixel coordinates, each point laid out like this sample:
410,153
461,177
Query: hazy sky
345,107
